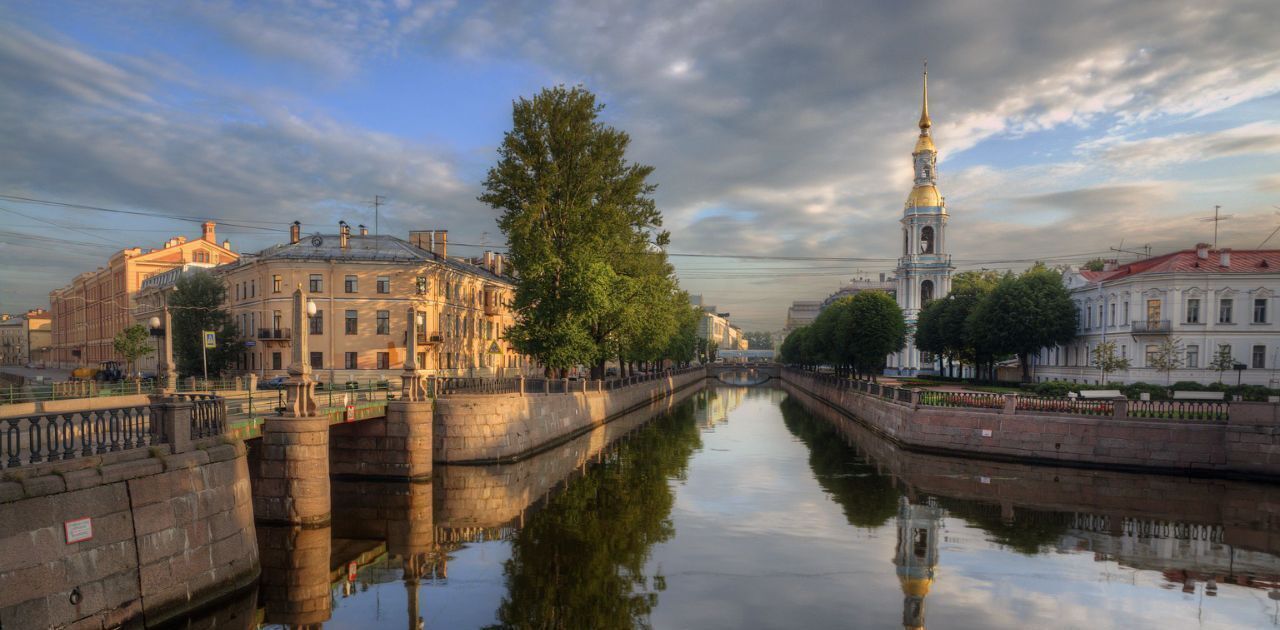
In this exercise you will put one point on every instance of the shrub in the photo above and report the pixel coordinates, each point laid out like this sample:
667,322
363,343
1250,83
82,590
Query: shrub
1134,391
1188,386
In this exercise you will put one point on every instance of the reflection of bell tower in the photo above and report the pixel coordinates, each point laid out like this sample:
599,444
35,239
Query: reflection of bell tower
918,528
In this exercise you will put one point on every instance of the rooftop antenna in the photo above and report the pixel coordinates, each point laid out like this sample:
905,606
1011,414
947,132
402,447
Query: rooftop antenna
1273,232
378,202
1216,218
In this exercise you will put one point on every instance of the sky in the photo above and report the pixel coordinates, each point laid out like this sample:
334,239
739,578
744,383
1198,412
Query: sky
778,131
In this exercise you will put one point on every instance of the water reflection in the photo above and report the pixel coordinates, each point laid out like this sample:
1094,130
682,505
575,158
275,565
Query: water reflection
757,507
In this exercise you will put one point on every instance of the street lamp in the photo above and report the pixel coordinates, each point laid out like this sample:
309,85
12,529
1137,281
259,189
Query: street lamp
311,308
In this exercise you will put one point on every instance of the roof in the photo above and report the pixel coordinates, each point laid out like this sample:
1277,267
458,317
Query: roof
1186,261
365,248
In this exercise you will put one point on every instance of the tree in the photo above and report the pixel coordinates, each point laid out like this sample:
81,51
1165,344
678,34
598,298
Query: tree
132,344
1023,314
709,349
1222,361
196,303
875,328
1166,358
759,340
1105,358
930,334
582,228
1094,264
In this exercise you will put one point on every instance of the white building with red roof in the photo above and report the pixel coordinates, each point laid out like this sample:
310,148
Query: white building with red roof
1202,299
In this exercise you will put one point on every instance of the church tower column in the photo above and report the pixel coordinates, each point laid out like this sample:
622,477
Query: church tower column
924,270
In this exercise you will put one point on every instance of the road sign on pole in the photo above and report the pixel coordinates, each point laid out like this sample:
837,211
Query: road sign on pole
210,341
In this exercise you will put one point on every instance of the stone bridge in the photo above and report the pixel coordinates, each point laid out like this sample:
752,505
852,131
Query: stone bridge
744,373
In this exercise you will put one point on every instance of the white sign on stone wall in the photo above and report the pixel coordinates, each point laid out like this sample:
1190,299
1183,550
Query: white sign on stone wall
78,530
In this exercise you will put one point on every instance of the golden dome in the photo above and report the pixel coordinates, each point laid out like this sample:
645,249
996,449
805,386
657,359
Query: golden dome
915,587
925,143
924,196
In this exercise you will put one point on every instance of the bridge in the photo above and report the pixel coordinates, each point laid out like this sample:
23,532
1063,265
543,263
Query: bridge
749,374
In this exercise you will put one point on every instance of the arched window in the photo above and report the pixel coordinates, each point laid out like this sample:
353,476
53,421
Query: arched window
201,256
906,243
926,292
926,239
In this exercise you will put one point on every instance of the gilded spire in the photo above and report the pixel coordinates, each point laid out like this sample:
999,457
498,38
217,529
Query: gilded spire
925,123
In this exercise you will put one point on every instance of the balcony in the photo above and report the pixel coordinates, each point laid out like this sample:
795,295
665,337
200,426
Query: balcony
492,301
274,334
429,340
1151,327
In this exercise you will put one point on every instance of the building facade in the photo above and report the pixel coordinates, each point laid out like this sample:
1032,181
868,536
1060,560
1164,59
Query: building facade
88,313
801,313
924,270
1200,300
24,339
364,288
715,326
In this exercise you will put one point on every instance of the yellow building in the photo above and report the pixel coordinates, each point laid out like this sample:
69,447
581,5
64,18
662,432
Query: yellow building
24,339
363,287
87,314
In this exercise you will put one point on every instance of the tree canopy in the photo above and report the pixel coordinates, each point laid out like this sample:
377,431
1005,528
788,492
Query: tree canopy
584,236
853,334
196,303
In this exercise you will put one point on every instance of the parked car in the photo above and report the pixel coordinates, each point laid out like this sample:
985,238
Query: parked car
273,383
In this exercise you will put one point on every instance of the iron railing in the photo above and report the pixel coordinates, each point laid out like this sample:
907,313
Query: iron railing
962,399
208,414
1208,410
63,436
1076,406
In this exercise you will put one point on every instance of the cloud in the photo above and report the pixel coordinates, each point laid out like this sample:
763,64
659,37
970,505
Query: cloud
1259,138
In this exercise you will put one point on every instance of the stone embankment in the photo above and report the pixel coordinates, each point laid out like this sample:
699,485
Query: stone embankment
1245,444
495,428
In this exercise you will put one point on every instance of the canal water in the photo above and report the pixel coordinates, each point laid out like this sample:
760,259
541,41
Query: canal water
755,507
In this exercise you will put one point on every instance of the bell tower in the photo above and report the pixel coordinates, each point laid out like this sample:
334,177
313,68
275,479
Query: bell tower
924,270
916,559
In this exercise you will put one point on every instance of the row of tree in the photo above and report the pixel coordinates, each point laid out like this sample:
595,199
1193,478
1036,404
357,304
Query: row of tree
854,335
586,239
987,317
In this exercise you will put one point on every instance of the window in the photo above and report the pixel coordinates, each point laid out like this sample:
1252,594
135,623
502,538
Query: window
1260,311
316,284
1193,356
239,292
926,240
384,322
384,284
317,360
1112,321
253,288
1224,310
1193,311
1089,321
276,282
421,282
275,360
349,361
201,256
1152,351
1153,313
926,291
1126,313
384,360
275,320
351,323
350,285
1259,357
317,323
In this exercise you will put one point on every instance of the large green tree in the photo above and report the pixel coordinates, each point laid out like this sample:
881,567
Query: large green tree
196,303
583,231
1023,314
874,328
132,344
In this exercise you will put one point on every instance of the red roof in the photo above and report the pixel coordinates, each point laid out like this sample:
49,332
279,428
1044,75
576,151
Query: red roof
1186,261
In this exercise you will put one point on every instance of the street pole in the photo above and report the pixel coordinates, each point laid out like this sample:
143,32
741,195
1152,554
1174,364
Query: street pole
204,359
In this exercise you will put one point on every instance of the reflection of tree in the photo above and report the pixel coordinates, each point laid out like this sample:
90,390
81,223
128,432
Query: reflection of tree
579,561
867,498
1027,533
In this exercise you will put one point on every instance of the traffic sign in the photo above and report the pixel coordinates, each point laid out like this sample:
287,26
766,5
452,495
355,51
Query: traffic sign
210,340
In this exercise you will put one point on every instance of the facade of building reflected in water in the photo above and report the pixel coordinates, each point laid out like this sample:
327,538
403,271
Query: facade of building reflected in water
758,507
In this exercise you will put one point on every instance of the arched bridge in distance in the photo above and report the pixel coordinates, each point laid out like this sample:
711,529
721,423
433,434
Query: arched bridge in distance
748,374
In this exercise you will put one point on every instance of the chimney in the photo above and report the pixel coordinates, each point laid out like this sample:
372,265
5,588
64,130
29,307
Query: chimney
1202,251
1224,257
1110,265
497,264
364,231
440,243
295,232
488,261
226,244
344,232
208,233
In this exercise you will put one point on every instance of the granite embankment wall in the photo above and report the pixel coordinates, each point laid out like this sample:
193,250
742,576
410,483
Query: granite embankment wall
470,498
169,533
1247,445
1249,513
491,428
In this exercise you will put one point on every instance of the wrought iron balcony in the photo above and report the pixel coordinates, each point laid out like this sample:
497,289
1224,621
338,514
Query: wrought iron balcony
279,334
1151,327
429,340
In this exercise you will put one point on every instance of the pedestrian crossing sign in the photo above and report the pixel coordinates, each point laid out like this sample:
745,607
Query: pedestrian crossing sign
210,340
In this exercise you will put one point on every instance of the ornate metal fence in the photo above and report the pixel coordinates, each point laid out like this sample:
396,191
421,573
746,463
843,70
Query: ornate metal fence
208,414
1208,410
63,436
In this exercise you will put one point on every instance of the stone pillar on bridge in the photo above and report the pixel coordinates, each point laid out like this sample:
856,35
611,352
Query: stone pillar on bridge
409,418
293,482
